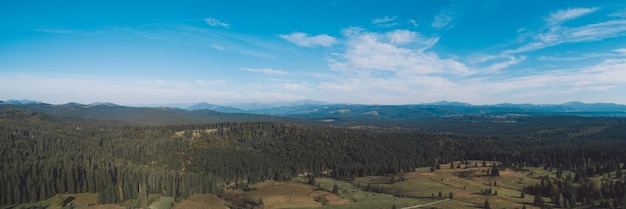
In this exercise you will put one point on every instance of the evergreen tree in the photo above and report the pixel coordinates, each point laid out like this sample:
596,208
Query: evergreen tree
450,196
486,206
523,194
495,171
440,195
260,202
538,201
322,200
142,196
335,188
312,180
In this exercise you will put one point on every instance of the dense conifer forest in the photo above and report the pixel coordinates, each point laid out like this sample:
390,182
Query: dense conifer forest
44,155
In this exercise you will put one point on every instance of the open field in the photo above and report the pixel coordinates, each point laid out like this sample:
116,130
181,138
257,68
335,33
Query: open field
205,201
357,198
419,189
467,191
282,195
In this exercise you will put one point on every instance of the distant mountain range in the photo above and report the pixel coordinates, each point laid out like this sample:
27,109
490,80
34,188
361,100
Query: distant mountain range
314,109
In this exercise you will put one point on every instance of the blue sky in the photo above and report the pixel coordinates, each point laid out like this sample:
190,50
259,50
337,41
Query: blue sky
368,52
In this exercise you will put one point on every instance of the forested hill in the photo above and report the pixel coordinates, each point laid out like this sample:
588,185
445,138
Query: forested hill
73,148
138,115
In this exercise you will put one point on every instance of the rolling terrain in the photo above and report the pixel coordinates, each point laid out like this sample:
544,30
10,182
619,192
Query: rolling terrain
105,155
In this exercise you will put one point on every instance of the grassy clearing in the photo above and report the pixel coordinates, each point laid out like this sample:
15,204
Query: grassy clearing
281,195
205,201
357,198
466,189
67,201
163,203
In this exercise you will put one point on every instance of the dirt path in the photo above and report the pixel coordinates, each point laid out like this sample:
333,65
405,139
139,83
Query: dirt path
427,204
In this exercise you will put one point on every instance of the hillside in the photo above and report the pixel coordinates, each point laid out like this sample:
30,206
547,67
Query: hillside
111,150
138,115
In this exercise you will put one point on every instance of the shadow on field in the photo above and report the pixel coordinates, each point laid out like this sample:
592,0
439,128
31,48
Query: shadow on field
68,200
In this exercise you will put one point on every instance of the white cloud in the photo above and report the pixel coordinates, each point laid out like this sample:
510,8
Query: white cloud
398,51
621,51
397,67
215,22
265,71
384,19
555,34
302,39
412,22
442,20
508,61
54,31
391,67
568,14
401,36
218,47
449,12
621,13
572,84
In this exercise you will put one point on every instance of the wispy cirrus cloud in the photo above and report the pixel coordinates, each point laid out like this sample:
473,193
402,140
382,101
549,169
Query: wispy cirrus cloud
218,47
412,22
620,13
555,34
216,23
267,71
567,84
303,39
568,14
55,31
385,21
621,51
442,20
448,13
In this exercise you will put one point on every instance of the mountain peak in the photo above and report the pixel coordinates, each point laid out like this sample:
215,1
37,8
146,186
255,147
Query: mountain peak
447,103
108,104
218,108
